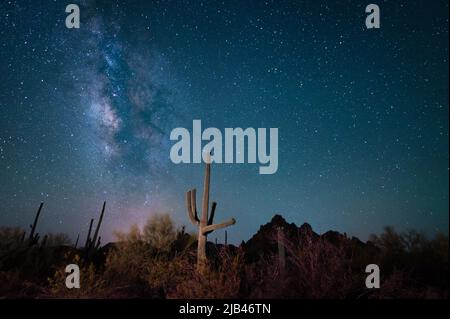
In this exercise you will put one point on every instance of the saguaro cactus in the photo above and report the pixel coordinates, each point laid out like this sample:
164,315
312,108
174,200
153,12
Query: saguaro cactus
205,223
34,238
93,244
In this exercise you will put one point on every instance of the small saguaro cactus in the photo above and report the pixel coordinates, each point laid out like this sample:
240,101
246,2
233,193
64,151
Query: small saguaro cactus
205,223
92,244
96,239
34,238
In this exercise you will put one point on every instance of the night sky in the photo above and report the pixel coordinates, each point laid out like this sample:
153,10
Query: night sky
86,114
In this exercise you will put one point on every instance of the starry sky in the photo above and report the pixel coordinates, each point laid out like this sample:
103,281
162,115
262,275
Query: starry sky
86,114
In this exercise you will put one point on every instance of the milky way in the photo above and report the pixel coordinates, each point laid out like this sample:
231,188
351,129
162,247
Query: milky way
362,114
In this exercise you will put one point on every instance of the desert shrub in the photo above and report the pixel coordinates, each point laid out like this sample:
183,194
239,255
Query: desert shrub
389,241
392,245
137,264
263,279
411,253
10,237
165,273
141,262
215,282
128,260
321,269
15,286
413,241
33,262
399,285
160,232
12,246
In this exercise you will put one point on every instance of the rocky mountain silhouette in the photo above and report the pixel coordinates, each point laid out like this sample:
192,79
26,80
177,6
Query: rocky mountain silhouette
264,242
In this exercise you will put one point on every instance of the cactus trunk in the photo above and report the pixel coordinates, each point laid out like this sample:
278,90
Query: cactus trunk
202,236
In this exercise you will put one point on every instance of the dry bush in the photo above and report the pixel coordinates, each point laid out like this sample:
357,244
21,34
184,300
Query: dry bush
263,280
10,236
128,261
399,285
11,248
422,261
142,259
159,232
142,264
322,269
314,269
215,282
165,274
389,241
14,286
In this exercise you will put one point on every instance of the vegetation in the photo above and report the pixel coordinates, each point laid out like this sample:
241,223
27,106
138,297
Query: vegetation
159,261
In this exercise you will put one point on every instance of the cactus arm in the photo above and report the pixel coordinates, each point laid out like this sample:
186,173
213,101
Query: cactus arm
194,204
211,228
191,206
213,211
